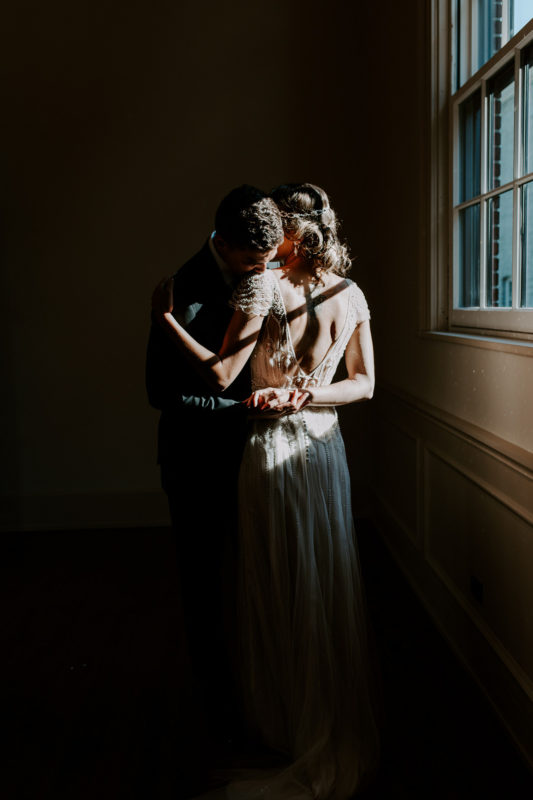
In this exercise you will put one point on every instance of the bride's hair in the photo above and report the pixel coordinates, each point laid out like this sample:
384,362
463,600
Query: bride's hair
308,217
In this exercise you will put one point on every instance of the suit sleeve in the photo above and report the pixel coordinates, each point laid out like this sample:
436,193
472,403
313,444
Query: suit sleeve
164,382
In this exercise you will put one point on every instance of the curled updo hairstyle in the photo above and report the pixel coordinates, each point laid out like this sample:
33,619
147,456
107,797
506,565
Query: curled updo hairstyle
308,218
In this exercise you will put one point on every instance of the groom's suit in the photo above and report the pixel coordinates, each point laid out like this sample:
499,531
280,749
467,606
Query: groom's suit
192,416
200,442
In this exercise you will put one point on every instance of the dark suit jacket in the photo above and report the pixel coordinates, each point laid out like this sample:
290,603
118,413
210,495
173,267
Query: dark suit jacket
197,427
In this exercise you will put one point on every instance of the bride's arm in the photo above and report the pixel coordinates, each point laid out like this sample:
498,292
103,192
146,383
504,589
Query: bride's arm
220,369
359,385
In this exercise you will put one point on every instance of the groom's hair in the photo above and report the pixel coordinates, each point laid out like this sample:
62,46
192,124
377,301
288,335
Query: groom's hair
247,219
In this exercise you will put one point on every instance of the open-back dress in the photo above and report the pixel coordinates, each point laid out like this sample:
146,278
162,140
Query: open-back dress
304,659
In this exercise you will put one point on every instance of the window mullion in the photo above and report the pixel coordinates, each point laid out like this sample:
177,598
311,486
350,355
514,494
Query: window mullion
469,3
474,38
518,169
483,204
454,163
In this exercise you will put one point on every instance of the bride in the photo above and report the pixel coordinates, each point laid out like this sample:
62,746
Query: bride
305,675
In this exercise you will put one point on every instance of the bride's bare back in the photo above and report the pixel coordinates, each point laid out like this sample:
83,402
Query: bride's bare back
315,313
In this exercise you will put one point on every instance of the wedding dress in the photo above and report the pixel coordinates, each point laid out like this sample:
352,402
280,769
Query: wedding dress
304,659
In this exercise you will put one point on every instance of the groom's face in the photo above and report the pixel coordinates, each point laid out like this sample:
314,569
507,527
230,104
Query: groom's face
242,261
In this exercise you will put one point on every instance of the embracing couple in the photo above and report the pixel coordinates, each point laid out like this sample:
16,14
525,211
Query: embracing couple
241,361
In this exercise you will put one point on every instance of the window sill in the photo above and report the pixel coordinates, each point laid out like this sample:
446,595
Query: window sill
504,345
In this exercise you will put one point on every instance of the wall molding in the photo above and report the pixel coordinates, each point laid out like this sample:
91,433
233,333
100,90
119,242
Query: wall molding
503,472
512,665
493,491
391,513
462,599
520,676
467,639
510,454
413,532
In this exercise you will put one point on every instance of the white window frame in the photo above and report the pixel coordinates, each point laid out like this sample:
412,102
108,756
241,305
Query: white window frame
440,315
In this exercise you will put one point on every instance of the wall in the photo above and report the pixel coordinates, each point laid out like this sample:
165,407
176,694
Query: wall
452,451
125,124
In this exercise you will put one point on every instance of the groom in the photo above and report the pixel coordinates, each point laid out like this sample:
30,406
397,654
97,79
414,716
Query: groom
201,435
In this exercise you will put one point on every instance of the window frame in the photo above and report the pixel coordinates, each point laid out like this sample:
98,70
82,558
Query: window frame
439,314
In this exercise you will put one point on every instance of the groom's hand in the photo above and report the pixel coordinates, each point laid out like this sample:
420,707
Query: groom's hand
275,401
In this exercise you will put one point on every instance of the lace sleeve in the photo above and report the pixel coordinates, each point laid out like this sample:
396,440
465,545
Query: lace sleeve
254,295
362,311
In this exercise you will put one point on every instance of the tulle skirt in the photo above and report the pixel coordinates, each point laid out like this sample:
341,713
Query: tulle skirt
305,672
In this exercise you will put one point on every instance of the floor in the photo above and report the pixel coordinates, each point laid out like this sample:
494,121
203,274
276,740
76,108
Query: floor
97,701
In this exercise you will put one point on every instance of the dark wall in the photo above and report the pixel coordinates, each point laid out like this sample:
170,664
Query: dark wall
124,124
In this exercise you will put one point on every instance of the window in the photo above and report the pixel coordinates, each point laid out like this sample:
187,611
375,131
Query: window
492,166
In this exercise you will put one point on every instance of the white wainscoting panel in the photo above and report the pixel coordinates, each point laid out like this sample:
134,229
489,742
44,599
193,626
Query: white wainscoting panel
484,551
455,506
396,475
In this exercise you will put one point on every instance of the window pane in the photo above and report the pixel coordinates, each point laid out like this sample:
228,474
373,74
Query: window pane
487,39
462,38
469,256
501,128
500,250
482,27
527,246
470,147
522,12
527,132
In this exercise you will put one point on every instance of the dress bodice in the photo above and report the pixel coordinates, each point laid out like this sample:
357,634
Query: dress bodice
274,361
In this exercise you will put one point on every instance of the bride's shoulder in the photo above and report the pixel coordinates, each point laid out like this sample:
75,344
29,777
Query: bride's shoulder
359,302
254,293
353,293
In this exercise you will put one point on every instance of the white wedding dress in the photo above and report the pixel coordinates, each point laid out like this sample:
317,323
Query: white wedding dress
304,659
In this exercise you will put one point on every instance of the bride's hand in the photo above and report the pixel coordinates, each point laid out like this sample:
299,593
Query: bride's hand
163,297
267,399
280,401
